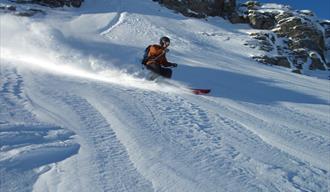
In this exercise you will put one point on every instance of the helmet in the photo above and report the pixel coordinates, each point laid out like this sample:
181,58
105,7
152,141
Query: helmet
164,40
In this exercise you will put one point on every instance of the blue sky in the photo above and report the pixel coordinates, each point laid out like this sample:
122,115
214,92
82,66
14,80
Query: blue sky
320,7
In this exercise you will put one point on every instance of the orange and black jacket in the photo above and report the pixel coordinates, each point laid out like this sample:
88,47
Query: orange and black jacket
158,52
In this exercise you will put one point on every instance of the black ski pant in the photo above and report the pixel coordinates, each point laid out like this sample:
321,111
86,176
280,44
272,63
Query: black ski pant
156,68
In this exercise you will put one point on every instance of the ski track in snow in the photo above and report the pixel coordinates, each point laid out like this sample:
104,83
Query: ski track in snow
111,158
108,158
25,143
74,129
277,156
222,149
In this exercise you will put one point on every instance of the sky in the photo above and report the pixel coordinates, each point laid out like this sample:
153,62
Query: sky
320,7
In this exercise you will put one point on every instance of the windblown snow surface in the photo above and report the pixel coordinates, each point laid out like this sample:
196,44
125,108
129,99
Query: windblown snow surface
76,113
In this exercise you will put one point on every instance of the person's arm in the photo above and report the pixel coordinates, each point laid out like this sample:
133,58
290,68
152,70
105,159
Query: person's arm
170,64
174,64
165,63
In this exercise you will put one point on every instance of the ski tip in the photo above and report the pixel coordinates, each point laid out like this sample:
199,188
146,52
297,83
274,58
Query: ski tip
201,91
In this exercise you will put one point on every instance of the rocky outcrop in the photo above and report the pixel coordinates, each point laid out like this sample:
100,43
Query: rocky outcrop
28,8
53,3
277,60
200,8
326,26
261,20
302,32
295,39
265,41
20,11
291,39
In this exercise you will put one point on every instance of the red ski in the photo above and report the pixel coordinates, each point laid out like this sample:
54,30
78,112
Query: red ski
201,91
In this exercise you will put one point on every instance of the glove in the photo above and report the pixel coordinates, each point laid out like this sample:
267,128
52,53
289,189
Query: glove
174,64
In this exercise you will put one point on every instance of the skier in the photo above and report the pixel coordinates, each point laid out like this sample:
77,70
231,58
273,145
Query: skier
155,59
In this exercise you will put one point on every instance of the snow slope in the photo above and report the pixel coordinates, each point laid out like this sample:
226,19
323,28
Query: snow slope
75,114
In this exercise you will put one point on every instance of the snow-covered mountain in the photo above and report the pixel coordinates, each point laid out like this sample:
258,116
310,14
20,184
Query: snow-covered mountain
76,113
295,39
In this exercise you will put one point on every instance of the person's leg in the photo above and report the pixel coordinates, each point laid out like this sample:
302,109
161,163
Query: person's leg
166,72
155,68
154,71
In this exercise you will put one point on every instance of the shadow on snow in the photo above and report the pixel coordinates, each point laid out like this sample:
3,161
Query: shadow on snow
241,87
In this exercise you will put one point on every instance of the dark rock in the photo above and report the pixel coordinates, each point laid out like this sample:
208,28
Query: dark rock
296,71
23,11
29,12
304,34
283,15
260,20
76,3
236,18
201,8
283,61
53,3
299,57
316,62
265,59
11,8
7,7
266,46
326,26
265,41
276,60
287,24
252,5
294,35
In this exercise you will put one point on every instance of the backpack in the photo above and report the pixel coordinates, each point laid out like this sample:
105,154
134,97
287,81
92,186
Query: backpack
145,56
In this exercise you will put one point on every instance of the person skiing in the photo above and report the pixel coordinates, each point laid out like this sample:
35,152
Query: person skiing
155,59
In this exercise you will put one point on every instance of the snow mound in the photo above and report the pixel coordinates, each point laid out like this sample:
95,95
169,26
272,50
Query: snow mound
26,147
